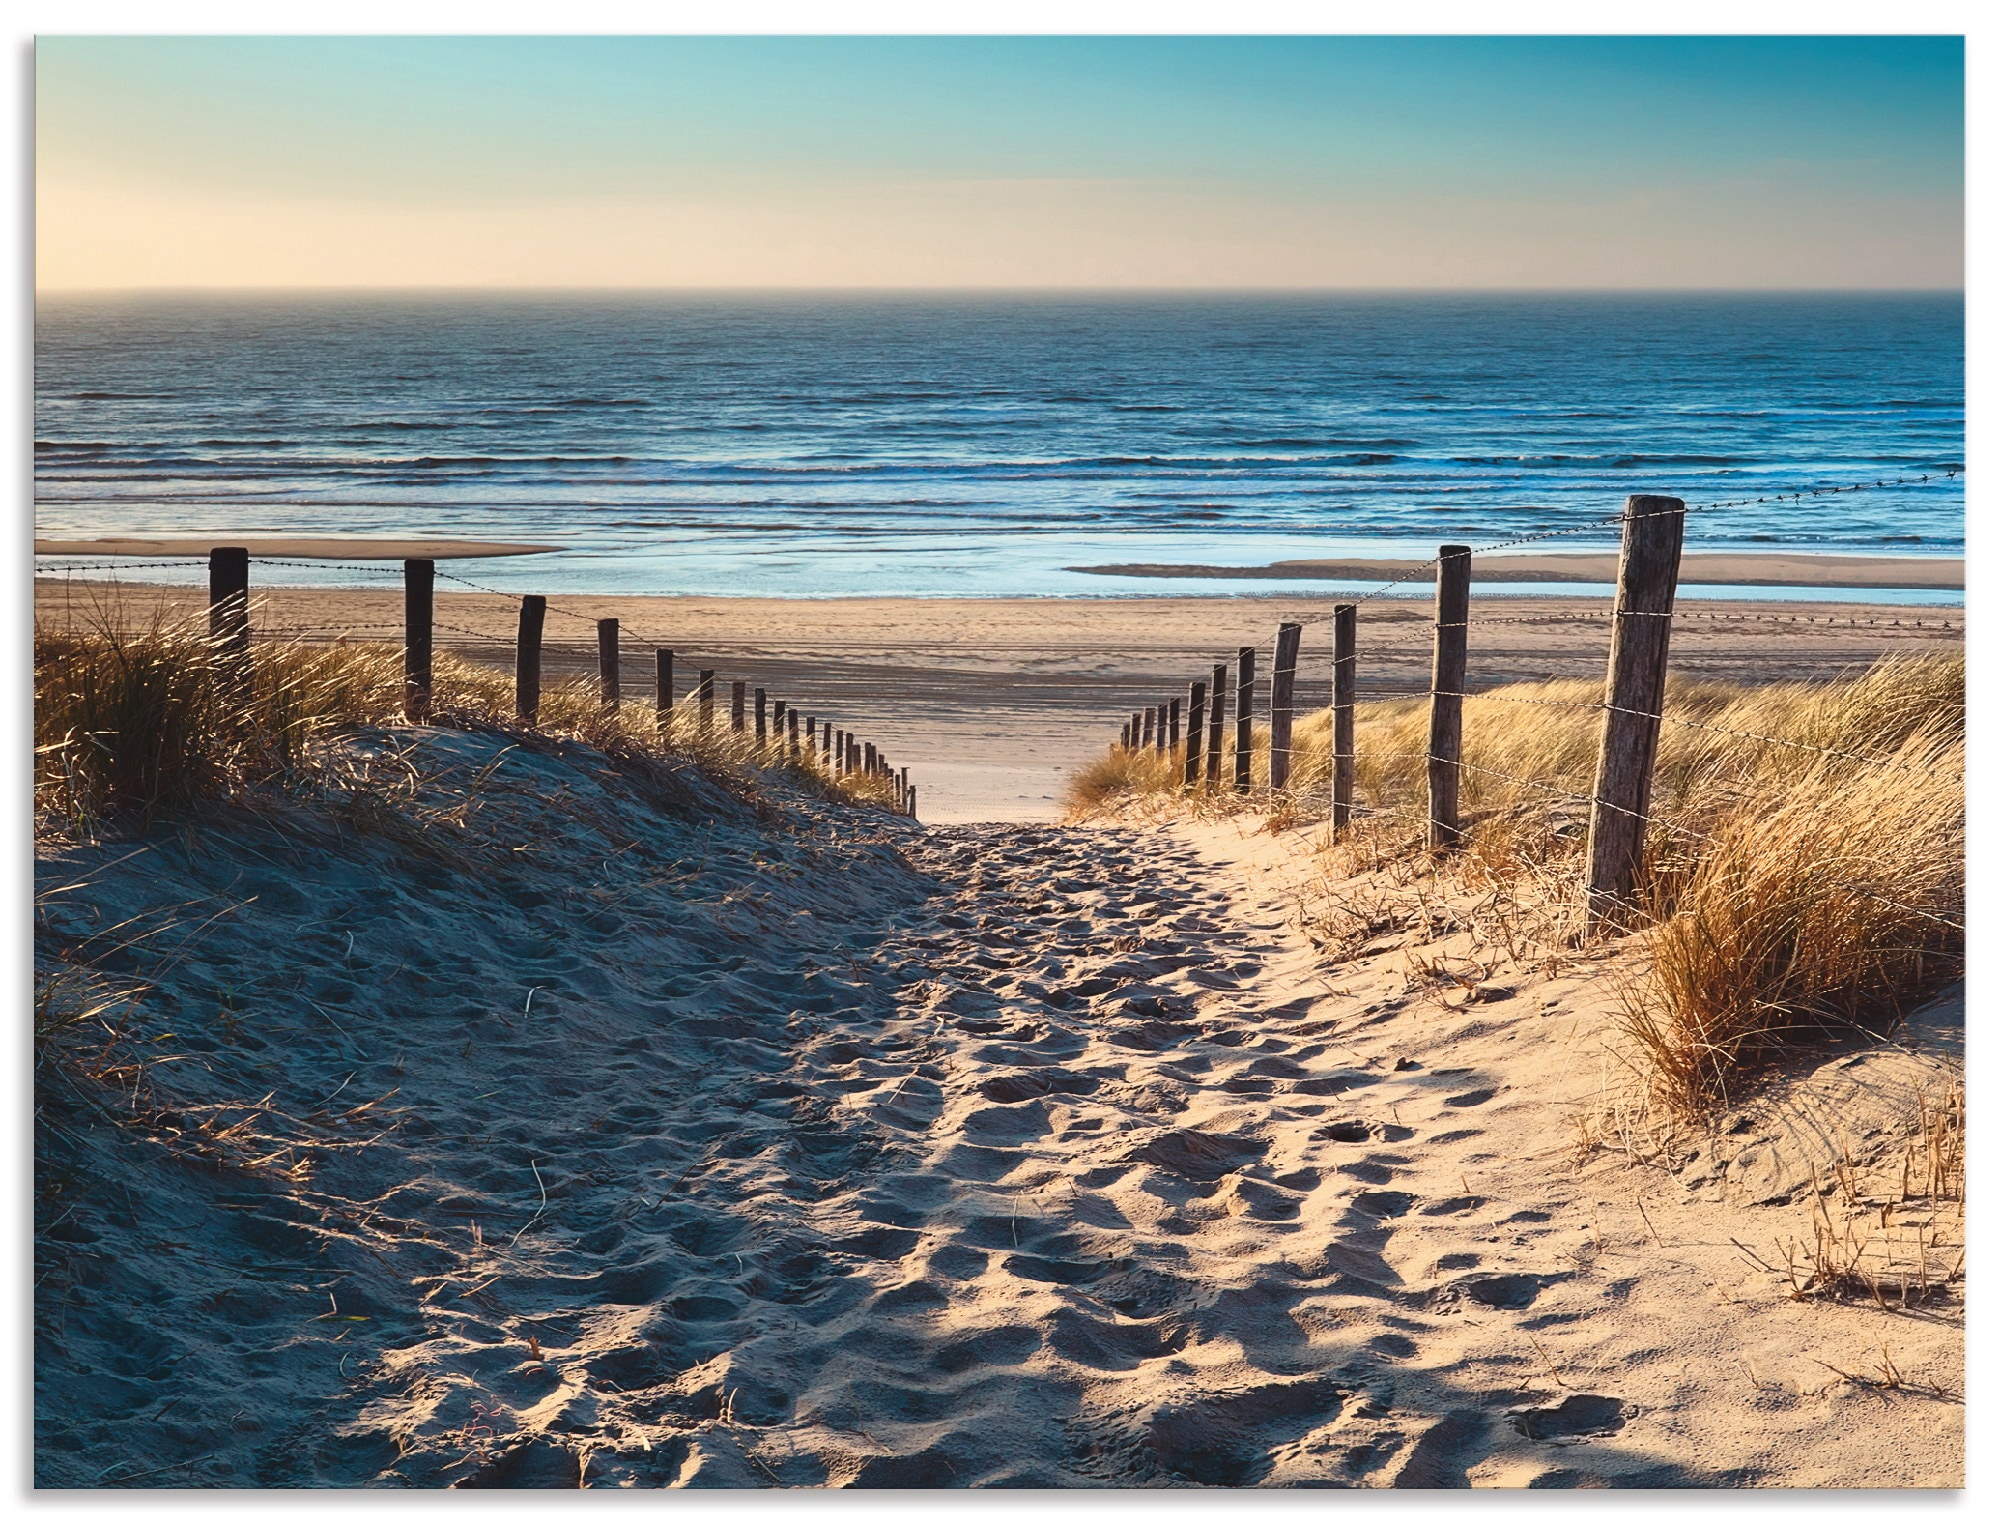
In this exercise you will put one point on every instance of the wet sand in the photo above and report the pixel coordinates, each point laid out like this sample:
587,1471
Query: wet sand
1697,570
990,701
319,547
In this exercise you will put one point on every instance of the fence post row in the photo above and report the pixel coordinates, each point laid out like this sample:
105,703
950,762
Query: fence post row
1343,713
607,665
1635,688
1197,710
1454,606
1284,672
1246,683
419,578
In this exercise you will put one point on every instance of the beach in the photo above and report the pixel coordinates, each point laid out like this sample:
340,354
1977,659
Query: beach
991,701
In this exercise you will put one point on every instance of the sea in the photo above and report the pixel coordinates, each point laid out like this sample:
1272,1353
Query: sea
830,444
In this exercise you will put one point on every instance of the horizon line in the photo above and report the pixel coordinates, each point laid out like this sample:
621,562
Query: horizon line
1017,290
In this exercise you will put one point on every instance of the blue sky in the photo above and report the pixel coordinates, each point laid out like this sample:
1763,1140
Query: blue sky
1217,162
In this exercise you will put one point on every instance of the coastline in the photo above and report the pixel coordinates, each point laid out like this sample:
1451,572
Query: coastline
294,547
1816,569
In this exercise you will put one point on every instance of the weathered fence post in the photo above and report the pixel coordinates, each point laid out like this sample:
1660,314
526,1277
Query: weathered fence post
792,732
419,578
1218,701
1160,742
1284,674
528,658
737,692
607,665
778,712
1635,690
663,689
1246,687
868,757
912,802
1343,713
1197,710
763,734
704,691
1454,607
1152,719
229,600
1173,724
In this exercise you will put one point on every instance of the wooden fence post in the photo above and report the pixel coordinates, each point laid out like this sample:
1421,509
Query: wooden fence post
528,658
1284,675
1197,711
1635,690
1152,720
1454,607
229,619
704,689
737,692
763,719
792,732
913,803
1246,687
663,689
1343,713
419,578
868,757
778,712
229,600
607,665
1173,724
1218,701
1160,741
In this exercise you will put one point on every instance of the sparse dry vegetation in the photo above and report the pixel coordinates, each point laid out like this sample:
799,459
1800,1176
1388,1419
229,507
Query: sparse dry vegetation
133,722
1807,846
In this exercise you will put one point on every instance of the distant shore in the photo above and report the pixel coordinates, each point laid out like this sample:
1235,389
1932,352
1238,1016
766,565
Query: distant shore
331,547
1735,569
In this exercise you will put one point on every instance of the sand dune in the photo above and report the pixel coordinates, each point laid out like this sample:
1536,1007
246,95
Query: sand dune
638,1138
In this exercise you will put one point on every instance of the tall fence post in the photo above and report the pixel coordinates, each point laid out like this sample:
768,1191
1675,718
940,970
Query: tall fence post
663,689
1635,690
1152,720
1218,701
738,691
1343,713
911,803
763,719
229,600
1160,741
1454,607
1246,686
528,657
1173,724
419,579
704,689
1197,711
1284,675
607,665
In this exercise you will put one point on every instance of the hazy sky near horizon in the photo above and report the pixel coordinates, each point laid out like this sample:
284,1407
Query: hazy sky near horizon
1467,162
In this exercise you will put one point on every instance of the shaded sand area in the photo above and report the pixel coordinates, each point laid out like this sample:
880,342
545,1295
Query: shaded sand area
599,1135
990,701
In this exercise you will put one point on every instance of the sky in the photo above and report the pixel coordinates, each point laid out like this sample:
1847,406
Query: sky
1036,162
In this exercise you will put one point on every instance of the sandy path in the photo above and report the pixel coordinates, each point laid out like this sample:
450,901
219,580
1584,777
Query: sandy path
743,1151
990,701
